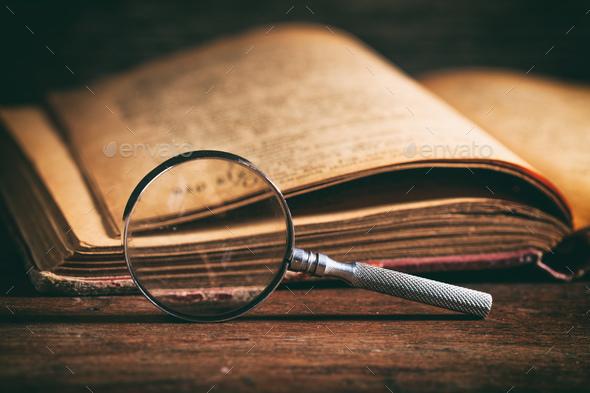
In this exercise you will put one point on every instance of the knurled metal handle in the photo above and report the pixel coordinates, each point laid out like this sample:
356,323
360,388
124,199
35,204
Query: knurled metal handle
421,290
394,283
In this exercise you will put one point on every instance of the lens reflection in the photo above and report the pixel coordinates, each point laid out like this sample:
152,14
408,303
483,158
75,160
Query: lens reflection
206,238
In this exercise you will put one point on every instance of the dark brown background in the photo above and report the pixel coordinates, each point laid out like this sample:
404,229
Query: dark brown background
98,38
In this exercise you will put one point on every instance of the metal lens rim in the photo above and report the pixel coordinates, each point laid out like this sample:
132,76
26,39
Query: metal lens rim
197,155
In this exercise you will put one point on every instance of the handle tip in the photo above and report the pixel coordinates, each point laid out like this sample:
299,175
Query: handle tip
480,307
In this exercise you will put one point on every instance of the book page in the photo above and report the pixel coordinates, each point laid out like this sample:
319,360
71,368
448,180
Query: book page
308,105
40,143
544,121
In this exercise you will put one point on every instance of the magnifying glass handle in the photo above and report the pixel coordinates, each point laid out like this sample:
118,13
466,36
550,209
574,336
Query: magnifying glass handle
394,283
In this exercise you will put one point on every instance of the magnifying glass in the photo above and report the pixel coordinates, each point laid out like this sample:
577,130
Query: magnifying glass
208,236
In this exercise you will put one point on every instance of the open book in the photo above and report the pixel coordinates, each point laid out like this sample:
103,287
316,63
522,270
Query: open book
375,166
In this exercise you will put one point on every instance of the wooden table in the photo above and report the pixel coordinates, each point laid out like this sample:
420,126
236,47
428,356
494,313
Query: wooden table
310,339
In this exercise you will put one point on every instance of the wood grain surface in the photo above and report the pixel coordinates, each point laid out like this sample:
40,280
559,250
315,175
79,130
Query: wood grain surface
302,340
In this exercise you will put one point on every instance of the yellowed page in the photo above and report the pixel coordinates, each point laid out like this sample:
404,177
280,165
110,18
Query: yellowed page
306,104
544,121
52,162
40,143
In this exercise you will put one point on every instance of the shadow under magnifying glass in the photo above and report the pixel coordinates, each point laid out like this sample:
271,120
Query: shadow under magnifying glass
289,318
359,317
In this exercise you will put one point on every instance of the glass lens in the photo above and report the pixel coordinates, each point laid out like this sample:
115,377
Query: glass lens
207,238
